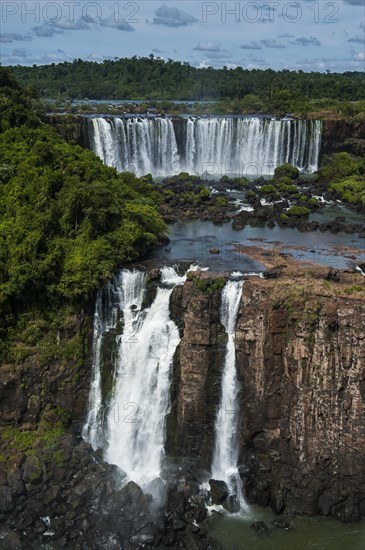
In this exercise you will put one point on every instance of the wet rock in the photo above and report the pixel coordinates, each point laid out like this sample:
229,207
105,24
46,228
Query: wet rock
169,537
9,540
219,491
232,504
259,527
282,524
6,499
333,275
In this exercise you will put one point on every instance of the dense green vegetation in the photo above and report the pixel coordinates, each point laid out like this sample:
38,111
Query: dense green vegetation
152,78
345,175
66,220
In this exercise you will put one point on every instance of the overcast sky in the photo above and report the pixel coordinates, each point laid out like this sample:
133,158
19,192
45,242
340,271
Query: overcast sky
308,35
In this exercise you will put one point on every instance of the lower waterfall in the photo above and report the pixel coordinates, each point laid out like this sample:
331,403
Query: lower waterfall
131,425
225,457
215,146
128,423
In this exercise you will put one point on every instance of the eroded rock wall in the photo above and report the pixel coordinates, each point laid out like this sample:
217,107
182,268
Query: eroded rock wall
301,366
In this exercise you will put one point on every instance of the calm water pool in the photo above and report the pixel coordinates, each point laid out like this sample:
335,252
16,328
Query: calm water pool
192,240
308,533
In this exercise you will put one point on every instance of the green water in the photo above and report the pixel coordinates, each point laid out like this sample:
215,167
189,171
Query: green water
312,533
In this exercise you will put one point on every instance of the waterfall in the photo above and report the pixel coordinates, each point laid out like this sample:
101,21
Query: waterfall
131,425
225,456
112,303
205,145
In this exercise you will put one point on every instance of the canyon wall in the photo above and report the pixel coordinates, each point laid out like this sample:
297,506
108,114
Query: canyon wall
343,136
301,365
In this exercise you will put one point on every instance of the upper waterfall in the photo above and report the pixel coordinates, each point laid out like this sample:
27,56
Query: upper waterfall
215,146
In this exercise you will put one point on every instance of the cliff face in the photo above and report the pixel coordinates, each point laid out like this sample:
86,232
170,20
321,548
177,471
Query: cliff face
71,127
301,366
340,135
49,371
197,374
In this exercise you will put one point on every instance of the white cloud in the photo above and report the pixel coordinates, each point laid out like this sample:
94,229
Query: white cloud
120,25
303,41
271,43
251,46
207,47
173,17
8,37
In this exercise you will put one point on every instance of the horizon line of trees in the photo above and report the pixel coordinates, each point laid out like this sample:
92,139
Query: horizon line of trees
154,78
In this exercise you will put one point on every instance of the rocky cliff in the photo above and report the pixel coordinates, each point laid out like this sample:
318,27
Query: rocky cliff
342,135
300,347
301,364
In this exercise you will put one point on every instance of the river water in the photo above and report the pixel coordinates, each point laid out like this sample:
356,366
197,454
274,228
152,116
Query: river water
308,533
192,240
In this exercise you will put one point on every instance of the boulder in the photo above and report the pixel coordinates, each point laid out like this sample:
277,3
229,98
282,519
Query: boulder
218,490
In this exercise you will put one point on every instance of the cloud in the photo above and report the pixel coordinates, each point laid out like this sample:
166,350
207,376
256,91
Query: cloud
173,17
251,46
50,29
207,47
359,56
157,50
8,37
46,30
94,56
222,54
120,25
23,57
357,39
286,35
20,52
77,25
303,41
271,43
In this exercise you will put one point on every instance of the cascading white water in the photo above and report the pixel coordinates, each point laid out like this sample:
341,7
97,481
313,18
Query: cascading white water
115,300
225,456
213,145
131,425
136,427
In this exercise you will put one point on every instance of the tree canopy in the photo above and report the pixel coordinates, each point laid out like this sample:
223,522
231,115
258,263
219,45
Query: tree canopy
155,78
66,220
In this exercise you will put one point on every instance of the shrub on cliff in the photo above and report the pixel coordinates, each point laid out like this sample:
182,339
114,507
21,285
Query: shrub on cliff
338,166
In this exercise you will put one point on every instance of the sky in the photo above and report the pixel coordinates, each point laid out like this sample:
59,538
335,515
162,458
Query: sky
296,35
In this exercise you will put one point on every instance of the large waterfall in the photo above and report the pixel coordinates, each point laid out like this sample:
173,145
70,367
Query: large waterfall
213,146
225,457
131,425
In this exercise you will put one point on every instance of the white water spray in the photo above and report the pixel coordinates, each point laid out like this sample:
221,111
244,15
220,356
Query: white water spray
225,457
216,145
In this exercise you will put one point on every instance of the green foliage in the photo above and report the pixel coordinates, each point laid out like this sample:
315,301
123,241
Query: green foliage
209,285
346,176
17,106
286,171
66,220
313,202
298,211
354,288
154,78
267,189
338,166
